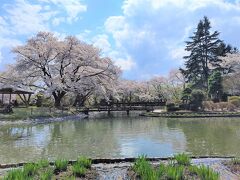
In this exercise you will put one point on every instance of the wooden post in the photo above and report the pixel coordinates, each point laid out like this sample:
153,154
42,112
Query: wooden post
128,112
10,98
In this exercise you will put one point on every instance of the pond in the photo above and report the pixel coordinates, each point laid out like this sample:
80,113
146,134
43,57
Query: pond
120,137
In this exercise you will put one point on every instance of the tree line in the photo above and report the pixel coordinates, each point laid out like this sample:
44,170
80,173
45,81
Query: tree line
71,70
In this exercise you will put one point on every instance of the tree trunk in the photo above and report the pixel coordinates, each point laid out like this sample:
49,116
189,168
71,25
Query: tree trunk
80,100
58,95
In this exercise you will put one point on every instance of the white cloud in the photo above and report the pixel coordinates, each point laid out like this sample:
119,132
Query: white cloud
26,18
101,41
125,64
115,23
72,7
122,60
153,32
177,53
57,20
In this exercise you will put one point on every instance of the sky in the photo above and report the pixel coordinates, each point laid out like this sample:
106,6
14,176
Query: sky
146,38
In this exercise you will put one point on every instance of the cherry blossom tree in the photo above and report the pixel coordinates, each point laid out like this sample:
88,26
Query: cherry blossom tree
62,66
231,80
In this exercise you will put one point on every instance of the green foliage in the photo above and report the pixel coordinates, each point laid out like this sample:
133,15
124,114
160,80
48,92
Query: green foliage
85,162
46,175
171,107
61,165
202,52
174,172
183,159
204,173
215,87
30,169
41,100
16,174
43,163
235,100
70,178
78,170
197,97
144,169
186,94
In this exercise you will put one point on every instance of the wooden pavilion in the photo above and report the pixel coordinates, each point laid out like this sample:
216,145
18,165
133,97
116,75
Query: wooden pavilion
23,94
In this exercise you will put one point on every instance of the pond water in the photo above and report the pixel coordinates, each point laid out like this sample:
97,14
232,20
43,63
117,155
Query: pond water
120,137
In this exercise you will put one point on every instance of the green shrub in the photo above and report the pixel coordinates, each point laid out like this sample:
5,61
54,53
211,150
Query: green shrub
196,99
171,107
235,100
16,174
183,159
30,169
85,162
79,170
61,165
43,163
46,175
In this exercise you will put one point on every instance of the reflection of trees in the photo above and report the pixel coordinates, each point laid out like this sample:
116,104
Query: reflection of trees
16,144
91,138
210,136
105,137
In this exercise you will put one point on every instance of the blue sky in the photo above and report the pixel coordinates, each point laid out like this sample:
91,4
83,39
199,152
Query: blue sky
144,37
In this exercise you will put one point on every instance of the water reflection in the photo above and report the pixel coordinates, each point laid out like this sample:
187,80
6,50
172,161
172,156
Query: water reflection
120,137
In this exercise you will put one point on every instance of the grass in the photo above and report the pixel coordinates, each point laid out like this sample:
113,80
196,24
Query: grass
61,165
204,173
183,159
46,175
43,163
43,170
173,171
16,174
79,170
32,112
30,169
85,162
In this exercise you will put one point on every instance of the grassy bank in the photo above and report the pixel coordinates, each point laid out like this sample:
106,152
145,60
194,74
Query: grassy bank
34,112
191,114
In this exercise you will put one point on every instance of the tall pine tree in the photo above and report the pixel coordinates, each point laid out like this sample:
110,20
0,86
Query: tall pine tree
203,55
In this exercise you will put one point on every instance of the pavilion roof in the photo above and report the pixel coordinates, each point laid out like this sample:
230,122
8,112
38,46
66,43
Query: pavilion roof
8,89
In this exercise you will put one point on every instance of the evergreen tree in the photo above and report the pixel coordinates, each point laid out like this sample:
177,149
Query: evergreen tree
215,89
203,57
